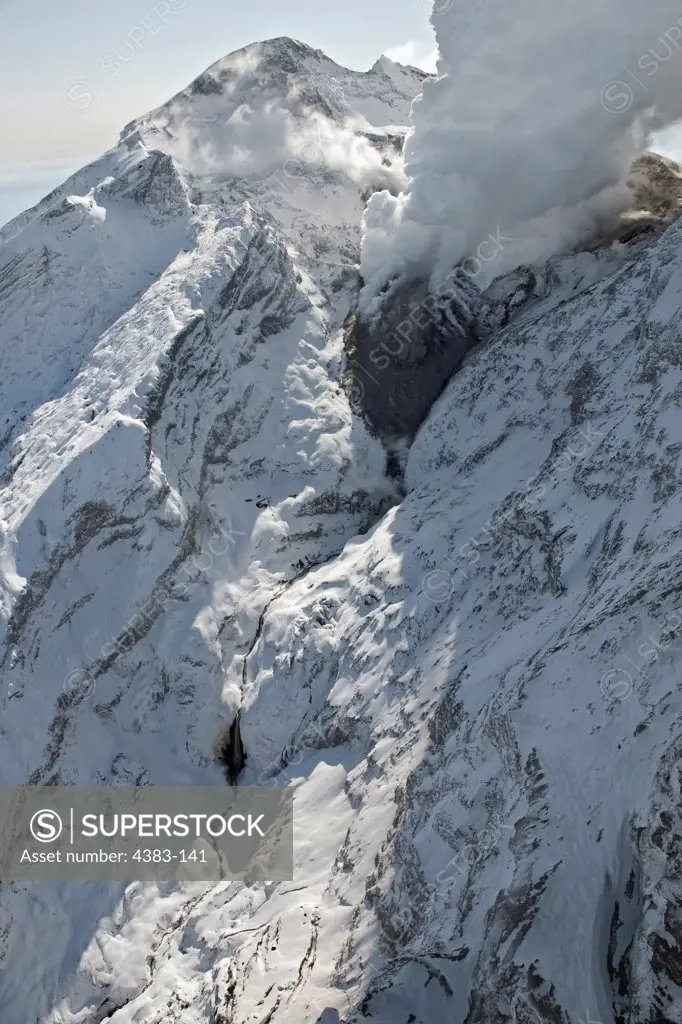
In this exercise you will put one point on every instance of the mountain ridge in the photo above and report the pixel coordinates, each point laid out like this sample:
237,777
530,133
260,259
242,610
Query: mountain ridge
203,554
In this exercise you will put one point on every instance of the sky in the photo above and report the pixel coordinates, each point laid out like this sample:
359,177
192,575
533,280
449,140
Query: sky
62,104
93,66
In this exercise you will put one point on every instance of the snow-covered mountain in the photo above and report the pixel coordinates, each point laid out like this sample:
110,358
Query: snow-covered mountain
463,659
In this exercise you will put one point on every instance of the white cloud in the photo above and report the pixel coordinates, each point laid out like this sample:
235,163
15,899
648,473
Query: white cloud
255,140
531,128
669,143
417,52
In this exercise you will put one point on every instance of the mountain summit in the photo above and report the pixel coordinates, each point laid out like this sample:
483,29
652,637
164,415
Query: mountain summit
461,653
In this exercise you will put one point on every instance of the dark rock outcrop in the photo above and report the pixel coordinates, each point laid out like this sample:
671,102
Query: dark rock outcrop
230,752
400,362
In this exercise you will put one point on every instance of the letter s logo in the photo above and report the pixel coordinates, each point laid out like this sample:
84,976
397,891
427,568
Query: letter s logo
46,826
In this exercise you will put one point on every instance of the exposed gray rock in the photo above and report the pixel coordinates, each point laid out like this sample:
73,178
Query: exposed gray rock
401,361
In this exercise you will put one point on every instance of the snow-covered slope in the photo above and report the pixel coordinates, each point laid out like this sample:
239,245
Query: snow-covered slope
177,445
470,679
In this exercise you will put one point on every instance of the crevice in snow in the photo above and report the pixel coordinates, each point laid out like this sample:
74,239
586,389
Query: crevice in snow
230,751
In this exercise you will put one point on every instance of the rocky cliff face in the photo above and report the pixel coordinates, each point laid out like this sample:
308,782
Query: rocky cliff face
470,679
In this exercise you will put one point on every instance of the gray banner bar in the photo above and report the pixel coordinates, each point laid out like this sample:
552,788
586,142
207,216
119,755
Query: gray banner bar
145,833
